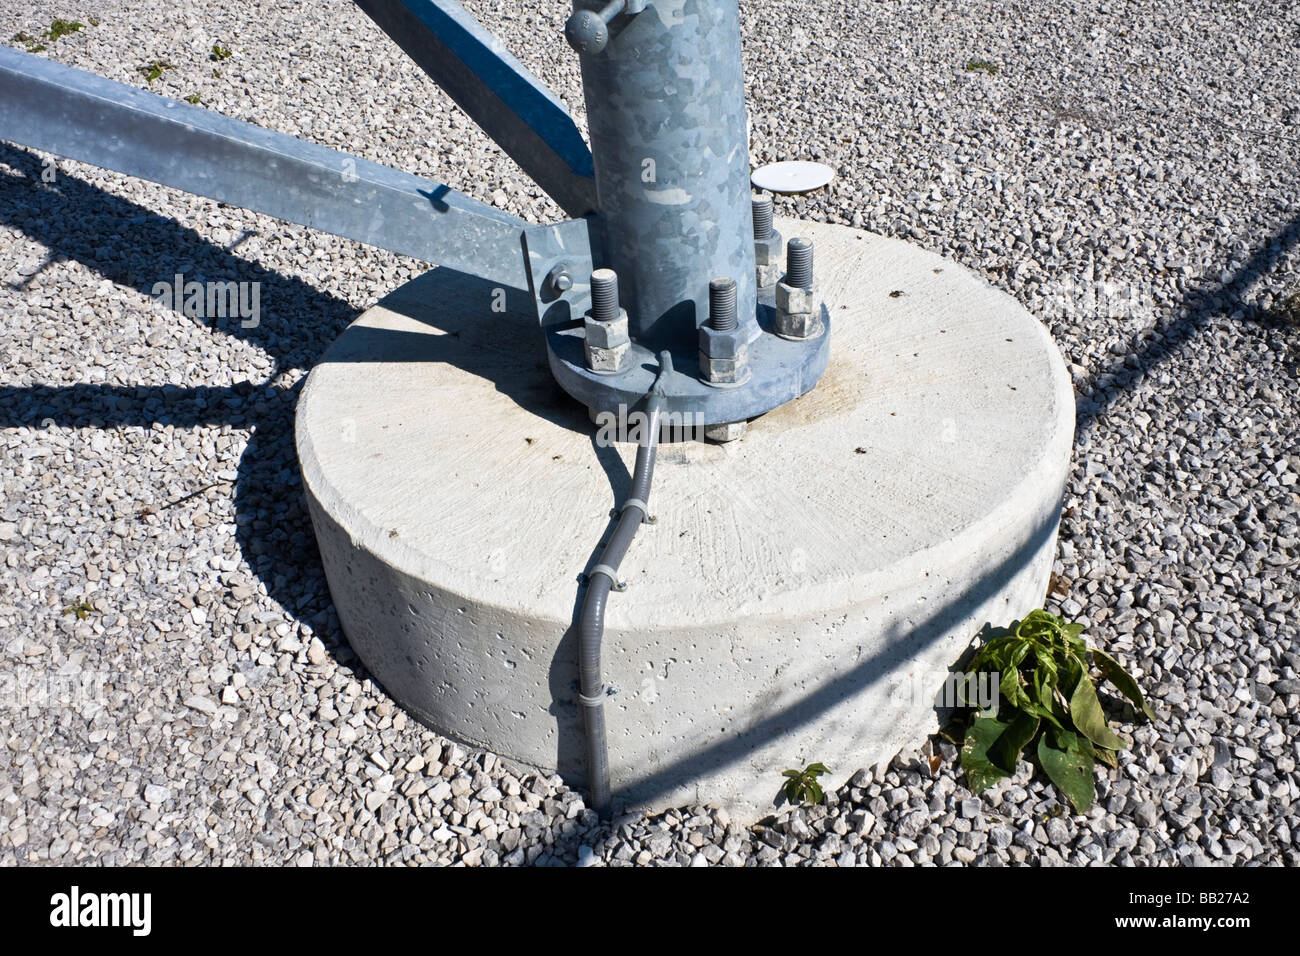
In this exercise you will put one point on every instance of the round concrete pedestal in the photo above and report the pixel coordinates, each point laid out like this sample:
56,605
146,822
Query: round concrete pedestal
804,590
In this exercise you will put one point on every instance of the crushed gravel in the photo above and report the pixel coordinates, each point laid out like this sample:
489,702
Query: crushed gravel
174,684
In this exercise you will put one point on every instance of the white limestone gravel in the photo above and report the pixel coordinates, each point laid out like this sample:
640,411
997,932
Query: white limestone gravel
1126,169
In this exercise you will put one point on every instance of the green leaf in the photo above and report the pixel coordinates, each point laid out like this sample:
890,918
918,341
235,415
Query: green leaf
1040,620
1111,670
1046,663
1017,656
1047,629
1106,756
1079,648
1069,766
991,655
816,770
1012,692
1005,751
1045,713
1043,683
1085,710
1072,671
981,772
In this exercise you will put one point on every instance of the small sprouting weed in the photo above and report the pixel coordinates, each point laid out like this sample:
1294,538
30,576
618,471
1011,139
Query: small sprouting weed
1046,694
1289,309
982,66
192,99
802,786
58,28
154,69
61,28
220,52
30,43
81,609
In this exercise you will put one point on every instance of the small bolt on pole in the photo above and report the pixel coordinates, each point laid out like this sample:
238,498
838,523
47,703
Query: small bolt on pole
798,306
604,295
588,30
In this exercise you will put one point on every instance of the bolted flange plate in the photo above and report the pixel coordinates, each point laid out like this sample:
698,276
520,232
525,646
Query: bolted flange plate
781,370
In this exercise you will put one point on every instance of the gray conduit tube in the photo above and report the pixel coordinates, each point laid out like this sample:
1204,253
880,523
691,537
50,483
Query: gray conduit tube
591,623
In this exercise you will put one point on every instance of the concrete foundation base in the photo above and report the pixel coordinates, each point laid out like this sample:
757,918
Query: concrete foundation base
804,589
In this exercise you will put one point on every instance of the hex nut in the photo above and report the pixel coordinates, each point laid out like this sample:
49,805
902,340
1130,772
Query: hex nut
606,335
724,356
606,342
768,251
793,299
798,312
607,360
724,371
726,431
799,325
729,345
768,259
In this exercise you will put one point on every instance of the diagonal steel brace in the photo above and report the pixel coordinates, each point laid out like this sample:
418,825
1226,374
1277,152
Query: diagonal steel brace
51,107
497,91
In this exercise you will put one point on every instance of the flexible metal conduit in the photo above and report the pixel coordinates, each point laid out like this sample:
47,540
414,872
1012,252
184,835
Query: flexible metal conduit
603,578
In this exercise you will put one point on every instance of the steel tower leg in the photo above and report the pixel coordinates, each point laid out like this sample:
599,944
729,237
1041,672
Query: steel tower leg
666,114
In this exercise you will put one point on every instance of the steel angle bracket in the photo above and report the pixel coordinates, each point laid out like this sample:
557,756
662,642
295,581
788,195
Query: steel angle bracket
559,262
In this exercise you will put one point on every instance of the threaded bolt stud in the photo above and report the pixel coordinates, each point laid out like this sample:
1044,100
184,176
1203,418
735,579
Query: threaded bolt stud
762,209
722,304
604,295
799,263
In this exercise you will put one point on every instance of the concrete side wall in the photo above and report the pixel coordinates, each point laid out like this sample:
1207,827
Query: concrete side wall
699,716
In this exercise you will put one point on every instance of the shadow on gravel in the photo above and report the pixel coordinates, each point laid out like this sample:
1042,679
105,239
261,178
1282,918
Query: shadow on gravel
135,247
1147,351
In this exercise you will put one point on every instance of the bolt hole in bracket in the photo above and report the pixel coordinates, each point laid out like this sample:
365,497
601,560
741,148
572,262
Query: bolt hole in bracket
559,261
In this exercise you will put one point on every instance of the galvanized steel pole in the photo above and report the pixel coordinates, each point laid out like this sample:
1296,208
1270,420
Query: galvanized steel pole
665,100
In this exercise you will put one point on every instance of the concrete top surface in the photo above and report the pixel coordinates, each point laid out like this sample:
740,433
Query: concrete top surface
436,433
